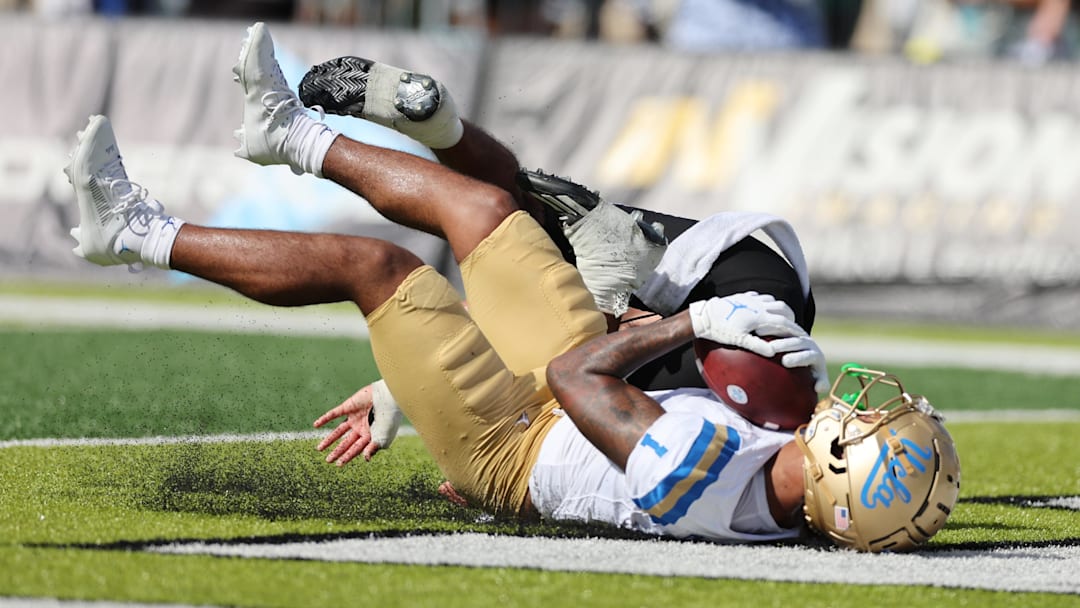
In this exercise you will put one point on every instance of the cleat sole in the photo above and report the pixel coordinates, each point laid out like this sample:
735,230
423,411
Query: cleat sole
339,86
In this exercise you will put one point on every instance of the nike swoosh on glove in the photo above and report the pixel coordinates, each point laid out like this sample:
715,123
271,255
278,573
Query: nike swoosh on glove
742,319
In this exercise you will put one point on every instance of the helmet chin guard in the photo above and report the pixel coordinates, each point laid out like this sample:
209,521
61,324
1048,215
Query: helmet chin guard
879,477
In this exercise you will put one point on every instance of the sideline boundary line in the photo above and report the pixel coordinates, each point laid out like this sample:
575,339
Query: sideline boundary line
1048,569
266,437
950,417
956,417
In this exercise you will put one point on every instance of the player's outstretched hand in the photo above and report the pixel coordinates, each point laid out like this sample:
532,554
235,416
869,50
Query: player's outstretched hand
803,351
743,319
372,418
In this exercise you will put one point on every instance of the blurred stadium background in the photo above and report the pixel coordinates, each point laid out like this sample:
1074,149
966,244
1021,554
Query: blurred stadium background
925,150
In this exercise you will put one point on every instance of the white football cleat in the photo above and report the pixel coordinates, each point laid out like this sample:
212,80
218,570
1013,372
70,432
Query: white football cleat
114,213
270,106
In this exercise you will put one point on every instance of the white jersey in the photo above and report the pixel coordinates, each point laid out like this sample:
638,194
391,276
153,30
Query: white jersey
698,471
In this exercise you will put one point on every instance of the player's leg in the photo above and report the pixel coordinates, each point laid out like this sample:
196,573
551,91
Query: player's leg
416,105
120,224
482,423
514,276
294,269
407,189
415,192
532,304
428,196
478,154
446,377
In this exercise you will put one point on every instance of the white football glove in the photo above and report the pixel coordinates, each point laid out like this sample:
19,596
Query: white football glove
372,418
803,351
614,256
387,414
741,319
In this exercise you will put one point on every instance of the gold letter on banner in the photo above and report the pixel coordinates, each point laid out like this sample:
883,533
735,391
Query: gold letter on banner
663,131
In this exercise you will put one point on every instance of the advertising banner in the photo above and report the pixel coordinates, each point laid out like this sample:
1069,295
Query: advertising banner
960,180
946,192
167,87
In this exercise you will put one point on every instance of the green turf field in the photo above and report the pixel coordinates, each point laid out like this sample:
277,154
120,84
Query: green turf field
73,517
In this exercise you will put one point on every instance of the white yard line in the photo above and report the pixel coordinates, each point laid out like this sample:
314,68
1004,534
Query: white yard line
40,602
159,440
957,417
1029,569
1051,569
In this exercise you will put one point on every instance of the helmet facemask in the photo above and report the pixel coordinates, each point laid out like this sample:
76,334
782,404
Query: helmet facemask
877,477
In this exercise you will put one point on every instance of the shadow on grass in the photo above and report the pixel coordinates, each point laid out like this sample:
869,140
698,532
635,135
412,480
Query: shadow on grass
275,482
394,494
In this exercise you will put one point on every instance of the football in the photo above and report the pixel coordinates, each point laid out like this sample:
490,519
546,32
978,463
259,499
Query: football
761,389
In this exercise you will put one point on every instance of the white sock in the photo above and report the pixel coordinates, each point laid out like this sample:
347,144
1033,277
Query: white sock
306,144
150,243
441,130
158,245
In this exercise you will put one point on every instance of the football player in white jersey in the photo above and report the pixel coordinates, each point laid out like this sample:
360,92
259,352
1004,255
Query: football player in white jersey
527,381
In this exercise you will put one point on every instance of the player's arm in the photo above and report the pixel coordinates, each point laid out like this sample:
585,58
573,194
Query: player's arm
588,384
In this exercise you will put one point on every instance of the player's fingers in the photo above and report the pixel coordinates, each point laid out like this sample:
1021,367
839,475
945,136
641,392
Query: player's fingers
333,436
359,438
354,451
355,403
756,345
346,442
780,308
782,327
337,412
800,358
791,344
371,449
822,384
446,489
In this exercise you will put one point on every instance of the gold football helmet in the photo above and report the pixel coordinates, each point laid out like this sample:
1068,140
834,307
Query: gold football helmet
878,478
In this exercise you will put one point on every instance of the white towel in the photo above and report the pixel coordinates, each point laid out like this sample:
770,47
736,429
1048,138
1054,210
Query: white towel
690,256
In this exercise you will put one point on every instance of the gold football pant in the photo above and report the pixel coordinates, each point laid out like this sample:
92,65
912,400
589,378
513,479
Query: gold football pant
472,381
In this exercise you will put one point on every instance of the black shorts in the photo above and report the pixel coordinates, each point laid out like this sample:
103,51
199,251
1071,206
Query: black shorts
749,265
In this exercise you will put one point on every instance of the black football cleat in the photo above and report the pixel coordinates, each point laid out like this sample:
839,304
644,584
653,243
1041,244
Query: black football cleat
570,200
340,87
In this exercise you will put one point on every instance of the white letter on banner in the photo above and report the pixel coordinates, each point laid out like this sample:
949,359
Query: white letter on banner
713,156
640,153
937,134
1054,160
887,170
980,156
816,119
692,150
